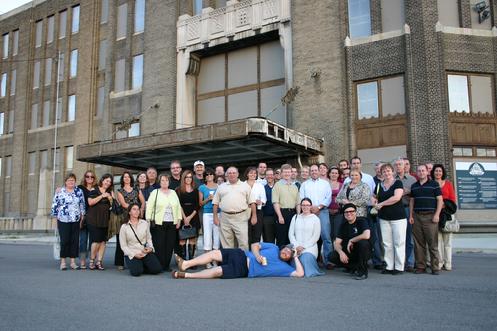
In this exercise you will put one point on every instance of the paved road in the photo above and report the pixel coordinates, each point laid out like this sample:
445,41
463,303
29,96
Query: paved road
37,296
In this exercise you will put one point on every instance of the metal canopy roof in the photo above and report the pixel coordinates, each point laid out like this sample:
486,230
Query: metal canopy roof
240,142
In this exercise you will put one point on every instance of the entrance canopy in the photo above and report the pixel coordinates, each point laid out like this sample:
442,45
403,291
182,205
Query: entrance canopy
240,142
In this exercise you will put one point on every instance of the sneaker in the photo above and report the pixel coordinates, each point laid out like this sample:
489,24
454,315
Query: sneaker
361,277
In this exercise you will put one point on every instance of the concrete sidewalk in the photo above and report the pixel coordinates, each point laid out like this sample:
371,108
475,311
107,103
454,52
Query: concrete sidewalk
462,242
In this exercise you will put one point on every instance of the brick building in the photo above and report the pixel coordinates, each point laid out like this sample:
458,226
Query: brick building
140,82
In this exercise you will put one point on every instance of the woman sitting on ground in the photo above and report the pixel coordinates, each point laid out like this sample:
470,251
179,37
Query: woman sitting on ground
136,243
304,233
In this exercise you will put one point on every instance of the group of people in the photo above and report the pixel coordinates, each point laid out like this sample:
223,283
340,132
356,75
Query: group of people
269,222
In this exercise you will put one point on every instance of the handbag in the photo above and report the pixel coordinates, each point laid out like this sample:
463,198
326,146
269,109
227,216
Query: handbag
152,221
187,232
116,207
451,226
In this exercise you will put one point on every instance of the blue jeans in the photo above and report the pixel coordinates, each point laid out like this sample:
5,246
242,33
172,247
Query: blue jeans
84,246
324,217
409,242
377,256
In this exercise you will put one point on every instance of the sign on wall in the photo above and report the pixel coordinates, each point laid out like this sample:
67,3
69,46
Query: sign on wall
476,185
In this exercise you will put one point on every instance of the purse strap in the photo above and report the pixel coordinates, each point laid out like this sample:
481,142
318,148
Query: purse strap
131,226
155,203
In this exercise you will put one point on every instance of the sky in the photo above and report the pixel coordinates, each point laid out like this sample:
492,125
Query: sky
8,5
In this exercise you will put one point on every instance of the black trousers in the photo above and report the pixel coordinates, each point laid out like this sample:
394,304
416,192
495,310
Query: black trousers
164,239
69,239
358,258
149,264
282,229
255,231
268,232
119,254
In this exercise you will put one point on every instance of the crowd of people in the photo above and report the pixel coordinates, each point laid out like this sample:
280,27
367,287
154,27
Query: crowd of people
266,223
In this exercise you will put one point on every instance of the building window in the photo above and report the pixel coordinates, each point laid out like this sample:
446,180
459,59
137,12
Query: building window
197,7
50,29
8,166
133,131
380,98
58,111
15,43
5,49
73,64
34,116
359,18
43,159
139,16
13,82
75,19
2,123
0,166
470,93
137,78
62,24
467,151
46,113
102,54
71,108
104,11
56,156
32,163
392,15
119,75
39,33
36,75
69,157
3,85
122,15
229,86
10,126
48,71
485,152
61,67
100,101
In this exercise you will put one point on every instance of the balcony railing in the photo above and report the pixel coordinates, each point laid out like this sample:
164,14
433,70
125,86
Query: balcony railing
226,22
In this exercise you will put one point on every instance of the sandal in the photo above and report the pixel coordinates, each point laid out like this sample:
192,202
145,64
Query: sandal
99,265
92,264
177,274
63,267
179,262
74,266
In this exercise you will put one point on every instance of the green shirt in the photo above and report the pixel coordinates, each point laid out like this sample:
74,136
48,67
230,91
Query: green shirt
286,194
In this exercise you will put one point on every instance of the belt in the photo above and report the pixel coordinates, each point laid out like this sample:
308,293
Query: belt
233,212
425,212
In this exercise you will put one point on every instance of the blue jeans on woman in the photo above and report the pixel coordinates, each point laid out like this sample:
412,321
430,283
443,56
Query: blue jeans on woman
84,244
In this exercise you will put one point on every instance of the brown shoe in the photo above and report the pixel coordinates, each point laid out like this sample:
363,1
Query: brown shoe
177,274
179,262
420,271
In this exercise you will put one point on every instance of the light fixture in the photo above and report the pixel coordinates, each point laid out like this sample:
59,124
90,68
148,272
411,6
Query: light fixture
483,11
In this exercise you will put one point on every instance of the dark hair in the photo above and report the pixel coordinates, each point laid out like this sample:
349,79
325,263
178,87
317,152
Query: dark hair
131,181
355,158
344,160
306,199
249,169
146,179
131,206
83,180
323,164
438,165
209,171
334,168
70,175
386,165
104,177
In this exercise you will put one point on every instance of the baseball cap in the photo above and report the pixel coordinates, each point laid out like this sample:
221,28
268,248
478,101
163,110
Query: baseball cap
198,162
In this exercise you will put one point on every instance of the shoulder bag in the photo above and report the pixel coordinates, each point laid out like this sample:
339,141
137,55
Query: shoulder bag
152,221
451,226
187,232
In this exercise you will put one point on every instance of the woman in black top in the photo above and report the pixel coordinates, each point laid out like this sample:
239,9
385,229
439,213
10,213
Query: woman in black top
393,223
100,201
87,185
189,198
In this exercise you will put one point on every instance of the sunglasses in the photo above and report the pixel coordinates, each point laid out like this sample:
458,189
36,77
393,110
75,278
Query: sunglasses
90,176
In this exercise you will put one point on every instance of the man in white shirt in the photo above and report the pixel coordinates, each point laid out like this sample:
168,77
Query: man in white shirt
319,191
261,173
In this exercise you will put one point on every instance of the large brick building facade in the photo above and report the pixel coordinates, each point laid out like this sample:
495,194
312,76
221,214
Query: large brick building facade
374,78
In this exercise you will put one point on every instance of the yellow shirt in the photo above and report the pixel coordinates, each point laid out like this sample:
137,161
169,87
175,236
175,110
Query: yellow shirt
233,198
285,194
160,204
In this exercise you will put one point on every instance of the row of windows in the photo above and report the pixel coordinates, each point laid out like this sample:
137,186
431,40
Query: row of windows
136,74
468,93
393,17
122,18
42,116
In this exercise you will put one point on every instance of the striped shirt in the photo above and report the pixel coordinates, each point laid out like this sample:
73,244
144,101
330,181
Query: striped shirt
425,196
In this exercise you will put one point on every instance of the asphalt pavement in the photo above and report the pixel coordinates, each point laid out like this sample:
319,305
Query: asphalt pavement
37,296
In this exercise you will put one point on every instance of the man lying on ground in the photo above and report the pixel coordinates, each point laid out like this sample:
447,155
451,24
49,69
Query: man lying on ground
265,260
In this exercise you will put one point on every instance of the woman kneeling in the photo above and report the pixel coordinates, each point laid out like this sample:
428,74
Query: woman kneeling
136,243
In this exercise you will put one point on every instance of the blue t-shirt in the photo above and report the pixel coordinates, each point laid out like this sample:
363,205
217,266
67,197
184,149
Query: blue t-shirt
274,268
207,208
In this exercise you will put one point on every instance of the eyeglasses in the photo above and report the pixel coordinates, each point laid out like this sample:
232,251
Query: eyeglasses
209,174
349,212
306,205
188,177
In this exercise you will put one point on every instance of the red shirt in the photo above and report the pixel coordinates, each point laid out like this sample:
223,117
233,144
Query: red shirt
448,191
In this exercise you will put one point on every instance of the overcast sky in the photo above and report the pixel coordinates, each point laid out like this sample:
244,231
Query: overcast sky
8,5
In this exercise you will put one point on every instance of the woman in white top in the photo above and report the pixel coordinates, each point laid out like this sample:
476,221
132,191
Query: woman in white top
257,194
304,233
136,243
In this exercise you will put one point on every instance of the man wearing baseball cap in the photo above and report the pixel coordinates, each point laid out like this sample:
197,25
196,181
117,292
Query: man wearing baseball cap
198,169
